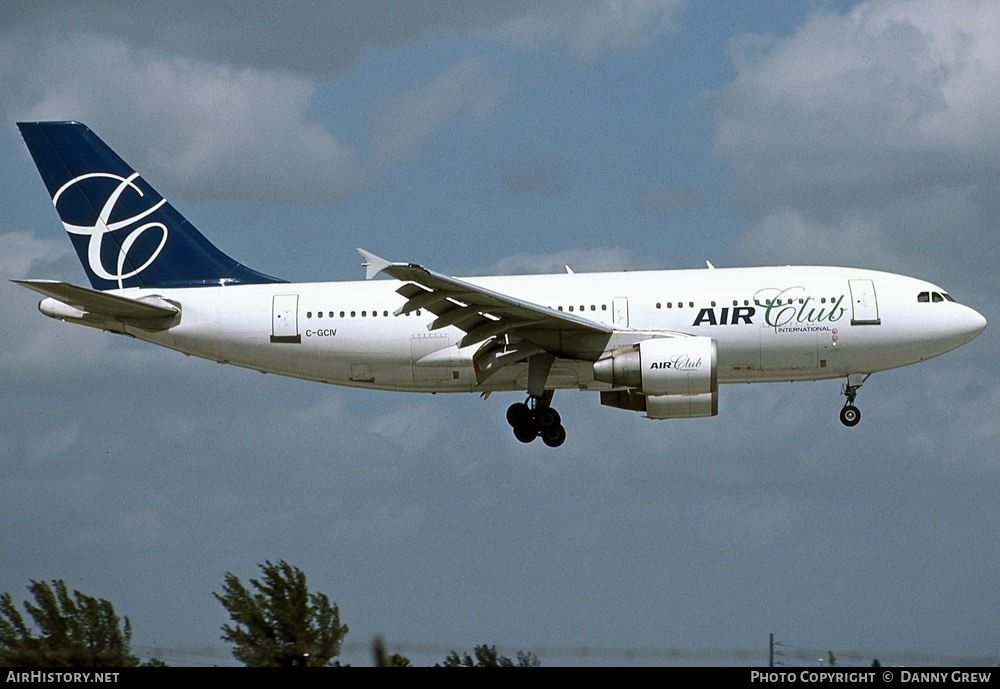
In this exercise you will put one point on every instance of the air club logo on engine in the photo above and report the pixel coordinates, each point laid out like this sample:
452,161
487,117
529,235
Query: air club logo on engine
681,362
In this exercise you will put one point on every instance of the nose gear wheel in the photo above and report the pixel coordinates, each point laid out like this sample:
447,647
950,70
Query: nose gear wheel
850,415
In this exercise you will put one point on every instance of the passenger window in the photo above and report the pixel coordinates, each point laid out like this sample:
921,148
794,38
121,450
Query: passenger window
923,297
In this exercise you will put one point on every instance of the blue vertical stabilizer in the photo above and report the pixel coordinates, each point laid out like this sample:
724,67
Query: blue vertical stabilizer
125,233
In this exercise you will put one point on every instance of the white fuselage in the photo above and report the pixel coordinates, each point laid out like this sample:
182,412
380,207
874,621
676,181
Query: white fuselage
771,324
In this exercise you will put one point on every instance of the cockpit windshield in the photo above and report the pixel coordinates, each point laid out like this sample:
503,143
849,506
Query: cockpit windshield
935,297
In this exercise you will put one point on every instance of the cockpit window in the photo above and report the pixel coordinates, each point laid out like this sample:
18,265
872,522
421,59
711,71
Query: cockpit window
936,297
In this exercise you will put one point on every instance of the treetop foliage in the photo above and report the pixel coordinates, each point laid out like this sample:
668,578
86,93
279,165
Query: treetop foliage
73,631
487,656
282,624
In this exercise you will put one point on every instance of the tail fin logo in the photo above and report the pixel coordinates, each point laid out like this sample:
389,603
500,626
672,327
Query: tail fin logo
125,232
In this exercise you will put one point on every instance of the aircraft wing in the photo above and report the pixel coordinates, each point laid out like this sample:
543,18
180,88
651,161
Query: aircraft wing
91,302
479,312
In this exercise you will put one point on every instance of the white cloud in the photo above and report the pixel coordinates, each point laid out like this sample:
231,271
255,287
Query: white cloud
788,237
875,132
854,101
205,129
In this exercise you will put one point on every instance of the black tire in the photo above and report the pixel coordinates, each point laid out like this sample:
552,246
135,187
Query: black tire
554,436
850,415
518,414
548,418
525,432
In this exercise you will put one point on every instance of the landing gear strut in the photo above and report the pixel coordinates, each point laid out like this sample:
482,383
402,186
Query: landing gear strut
851,415
534,417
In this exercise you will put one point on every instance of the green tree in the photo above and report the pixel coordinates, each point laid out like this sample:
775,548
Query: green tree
387,660
73,631
487,656
282,625
397,660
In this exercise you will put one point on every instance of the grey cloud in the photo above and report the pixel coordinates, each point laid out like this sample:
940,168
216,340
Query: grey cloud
587,30
468,92
532,171
314,38
218,96
320,38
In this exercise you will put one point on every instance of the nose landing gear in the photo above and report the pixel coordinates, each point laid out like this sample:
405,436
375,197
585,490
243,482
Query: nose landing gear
534,418
851,415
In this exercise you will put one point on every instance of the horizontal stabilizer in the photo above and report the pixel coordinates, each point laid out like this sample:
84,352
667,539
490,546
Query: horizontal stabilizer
103,303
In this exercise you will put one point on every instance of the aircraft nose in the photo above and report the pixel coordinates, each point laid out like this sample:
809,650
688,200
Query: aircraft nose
972,324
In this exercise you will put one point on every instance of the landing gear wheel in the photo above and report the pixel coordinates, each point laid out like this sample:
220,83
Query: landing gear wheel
525,432
548,417
554,436
534,417
850,415
518,413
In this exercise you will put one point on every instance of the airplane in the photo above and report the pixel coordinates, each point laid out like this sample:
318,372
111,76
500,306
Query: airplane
655,342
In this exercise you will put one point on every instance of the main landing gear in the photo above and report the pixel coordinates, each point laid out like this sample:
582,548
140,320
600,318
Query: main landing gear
534,417
851,415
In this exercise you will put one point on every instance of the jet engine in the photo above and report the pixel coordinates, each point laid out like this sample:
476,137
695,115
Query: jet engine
665,377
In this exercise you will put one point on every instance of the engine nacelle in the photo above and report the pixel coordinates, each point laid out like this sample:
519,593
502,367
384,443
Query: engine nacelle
669,377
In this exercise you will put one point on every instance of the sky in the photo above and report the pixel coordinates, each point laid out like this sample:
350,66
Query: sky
517,137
